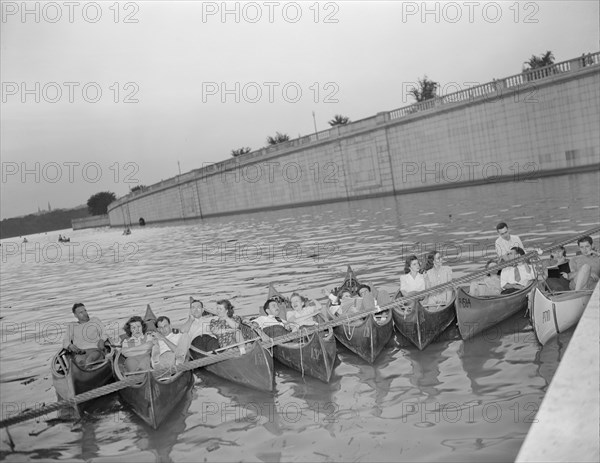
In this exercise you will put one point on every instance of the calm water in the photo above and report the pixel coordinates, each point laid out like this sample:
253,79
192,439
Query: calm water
455,401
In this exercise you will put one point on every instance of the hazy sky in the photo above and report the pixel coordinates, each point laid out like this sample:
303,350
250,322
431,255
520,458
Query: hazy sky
124,92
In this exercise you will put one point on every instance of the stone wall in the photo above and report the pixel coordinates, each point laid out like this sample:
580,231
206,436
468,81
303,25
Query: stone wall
537,123
90,222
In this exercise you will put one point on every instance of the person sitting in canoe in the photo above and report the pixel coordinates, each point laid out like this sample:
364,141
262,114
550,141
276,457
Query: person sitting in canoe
350,305
196,329
137,346
270,322
554,268
516,277
303,310
437,274
163,352
505,242
227,327
489,285
86,338
585,268
413,280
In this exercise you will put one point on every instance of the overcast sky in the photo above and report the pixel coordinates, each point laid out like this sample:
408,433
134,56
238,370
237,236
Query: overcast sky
125,92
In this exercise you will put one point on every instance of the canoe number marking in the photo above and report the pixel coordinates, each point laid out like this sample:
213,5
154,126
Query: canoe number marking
465,302
545,316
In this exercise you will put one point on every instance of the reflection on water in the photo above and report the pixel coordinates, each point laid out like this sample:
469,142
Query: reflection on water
463,401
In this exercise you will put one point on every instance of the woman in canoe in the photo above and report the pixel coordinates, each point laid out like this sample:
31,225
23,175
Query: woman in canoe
412,281
227,327
437,274
303,310
137,346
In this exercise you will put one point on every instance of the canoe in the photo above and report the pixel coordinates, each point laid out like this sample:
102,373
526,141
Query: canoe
553,313
70,380
478,313
422,324
313,355
368,336
253,369
153,399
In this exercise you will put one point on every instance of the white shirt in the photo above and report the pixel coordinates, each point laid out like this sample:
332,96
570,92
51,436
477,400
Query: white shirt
267,320
85,335
200,326
304,315
173,337
408,284
504,246
508,275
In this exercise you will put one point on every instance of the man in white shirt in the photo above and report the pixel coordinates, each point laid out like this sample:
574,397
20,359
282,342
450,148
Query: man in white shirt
85,338
269,321
505,242
196,326
163,354
517,277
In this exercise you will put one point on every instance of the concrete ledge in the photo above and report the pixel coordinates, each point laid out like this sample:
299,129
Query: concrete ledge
90,222
568,422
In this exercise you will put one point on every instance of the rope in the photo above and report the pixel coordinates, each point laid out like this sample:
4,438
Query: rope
232,353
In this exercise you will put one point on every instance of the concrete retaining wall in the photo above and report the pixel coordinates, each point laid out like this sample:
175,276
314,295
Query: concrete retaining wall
567,426
90,222
515,129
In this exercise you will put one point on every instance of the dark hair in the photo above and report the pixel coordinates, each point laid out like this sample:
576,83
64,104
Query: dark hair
361,287
563,251
587,239
342,291
518,250
266,305
135,318
429,260
501,225
77,305
228,306
161,318
408,262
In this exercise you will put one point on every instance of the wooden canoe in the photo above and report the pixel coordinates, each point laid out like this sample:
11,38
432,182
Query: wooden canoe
478,313
70,380
422,324
253,369
553,313
313,355
153,399
368,336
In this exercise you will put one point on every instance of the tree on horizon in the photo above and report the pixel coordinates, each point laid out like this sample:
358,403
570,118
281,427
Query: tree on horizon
536,62
338,119
240,151
278,138
426,90
98,203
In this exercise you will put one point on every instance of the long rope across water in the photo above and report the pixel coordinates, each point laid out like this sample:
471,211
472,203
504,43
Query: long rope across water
233,353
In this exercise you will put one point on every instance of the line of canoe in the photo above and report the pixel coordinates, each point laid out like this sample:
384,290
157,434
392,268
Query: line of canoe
315,354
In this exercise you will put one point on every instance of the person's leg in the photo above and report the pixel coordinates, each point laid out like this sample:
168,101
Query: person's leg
581,277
